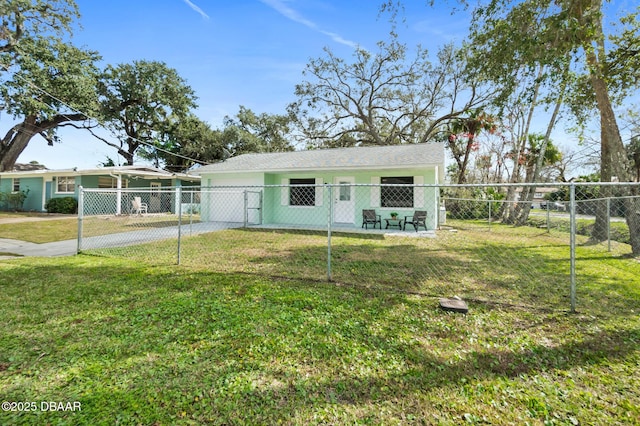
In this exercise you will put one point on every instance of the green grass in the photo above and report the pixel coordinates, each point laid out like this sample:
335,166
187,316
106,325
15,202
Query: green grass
46,231
248,331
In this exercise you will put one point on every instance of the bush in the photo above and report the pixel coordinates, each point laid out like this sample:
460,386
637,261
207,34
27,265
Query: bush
65,205
13,200
469,204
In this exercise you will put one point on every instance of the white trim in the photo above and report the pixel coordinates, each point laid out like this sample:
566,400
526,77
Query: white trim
375,191
319,192
418,192
284,192
57,183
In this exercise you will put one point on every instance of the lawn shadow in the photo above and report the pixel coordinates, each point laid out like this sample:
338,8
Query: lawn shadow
427,372
129,332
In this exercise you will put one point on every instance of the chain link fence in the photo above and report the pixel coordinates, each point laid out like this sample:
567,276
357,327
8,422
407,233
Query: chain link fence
497,243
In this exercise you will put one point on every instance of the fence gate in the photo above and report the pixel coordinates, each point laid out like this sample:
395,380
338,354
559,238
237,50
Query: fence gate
253,207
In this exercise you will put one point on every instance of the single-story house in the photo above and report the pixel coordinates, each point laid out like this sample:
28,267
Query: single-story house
291,187
539,195
44,184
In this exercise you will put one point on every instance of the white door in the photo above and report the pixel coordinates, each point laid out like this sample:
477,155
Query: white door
344,202
155,197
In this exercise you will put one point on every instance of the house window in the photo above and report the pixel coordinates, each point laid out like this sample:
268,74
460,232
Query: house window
396,196
108,182
302,192
16,185
66,184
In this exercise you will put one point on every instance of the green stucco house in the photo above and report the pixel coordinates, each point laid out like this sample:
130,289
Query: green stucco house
292,187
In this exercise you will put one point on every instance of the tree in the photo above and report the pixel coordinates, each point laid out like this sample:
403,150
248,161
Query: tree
33,20
248,132
633,151
140,102
186,142
382,98
39,70
543,32
53,85
462,139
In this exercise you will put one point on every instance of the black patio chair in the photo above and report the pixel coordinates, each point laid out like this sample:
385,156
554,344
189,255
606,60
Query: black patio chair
370,216
418,219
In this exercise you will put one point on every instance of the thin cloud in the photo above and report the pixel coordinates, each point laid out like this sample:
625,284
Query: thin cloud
197,9
289,13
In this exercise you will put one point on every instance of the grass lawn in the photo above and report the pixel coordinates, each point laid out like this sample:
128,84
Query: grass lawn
50,230
247,331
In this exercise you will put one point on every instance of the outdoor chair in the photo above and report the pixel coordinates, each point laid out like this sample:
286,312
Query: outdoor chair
418,219
370,217
138,207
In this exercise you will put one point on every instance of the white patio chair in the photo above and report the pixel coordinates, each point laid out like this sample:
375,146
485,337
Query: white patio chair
138,207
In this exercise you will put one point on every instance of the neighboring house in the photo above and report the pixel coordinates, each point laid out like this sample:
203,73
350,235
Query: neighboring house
42,185
539,199
289,187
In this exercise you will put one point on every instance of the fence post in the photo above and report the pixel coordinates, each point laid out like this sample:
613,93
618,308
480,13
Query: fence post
191,211
548,217
572,215
80,218
179,198
329,219
609,223
246,208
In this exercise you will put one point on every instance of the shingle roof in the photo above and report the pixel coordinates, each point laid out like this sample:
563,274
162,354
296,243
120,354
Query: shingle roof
392,156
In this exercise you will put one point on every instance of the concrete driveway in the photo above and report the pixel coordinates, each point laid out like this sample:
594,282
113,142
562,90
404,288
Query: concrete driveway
15,248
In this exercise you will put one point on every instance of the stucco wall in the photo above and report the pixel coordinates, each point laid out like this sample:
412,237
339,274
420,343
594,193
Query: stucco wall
275,196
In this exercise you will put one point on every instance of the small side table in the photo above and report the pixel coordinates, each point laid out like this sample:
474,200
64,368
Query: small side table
393,223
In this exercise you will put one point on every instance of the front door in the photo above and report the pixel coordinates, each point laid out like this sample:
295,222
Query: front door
344,202
155,197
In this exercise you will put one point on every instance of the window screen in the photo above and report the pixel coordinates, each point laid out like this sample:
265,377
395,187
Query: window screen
396,196
302,192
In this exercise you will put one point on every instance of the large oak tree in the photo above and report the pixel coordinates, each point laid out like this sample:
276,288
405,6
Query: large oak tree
140,103
45,81
52,84
382,98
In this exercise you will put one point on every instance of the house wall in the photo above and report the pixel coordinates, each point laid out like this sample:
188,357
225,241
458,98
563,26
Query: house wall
43,188
223,197
157,202
275,196
33,185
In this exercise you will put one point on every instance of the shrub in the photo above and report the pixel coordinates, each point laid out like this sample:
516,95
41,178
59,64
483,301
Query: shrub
13,200
65,205
469,204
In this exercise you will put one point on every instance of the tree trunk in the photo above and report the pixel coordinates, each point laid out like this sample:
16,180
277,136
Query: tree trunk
510,214
613,157
529,192
15,141
614,163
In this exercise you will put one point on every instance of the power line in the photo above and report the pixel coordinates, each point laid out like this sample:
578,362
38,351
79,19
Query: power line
101,125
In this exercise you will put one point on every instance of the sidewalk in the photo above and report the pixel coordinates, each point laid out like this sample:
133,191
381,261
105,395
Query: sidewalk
24,248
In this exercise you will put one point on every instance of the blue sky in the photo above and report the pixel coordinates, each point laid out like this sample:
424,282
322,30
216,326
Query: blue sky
242,52
232,53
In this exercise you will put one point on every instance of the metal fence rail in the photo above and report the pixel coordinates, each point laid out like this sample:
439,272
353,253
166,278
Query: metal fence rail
474,240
